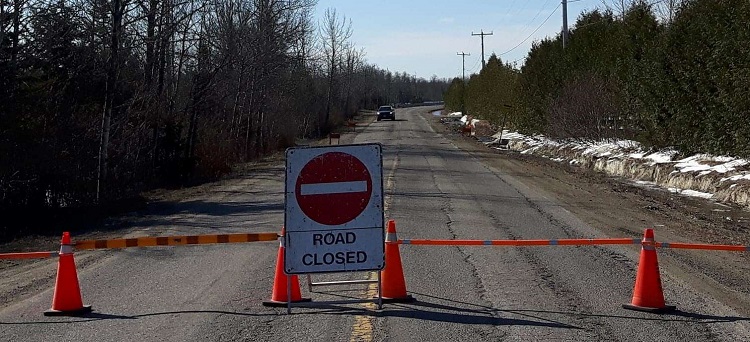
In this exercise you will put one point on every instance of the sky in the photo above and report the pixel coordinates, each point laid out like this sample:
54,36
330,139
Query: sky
423,37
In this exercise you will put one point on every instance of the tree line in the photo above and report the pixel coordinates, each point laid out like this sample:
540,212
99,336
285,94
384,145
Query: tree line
666,73
102,99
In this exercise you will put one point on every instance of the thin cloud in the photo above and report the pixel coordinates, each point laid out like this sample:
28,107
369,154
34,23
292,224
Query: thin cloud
447,20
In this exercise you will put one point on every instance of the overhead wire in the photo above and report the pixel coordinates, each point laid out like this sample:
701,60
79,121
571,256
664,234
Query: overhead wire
474,67
523,7
525,27
512,4
513,62
656,2
532,33
535,16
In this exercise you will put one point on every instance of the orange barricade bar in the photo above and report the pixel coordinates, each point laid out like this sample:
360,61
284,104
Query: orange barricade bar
677,245
174,240
28,255
573,242
560,242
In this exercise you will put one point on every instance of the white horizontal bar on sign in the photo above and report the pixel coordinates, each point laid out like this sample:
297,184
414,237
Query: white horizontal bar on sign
333,188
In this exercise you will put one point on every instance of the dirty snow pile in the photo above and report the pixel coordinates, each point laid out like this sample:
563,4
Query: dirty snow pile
720,178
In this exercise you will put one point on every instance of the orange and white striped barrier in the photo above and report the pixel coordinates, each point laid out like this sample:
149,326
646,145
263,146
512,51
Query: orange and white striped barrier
150,241
553,242
702,246
574,242
28,255
258,237
176,240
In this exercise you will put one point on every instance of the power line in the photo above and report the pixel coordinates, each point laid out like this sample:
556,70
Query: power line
523,7
518,60
473,68
512,4
528,24
655,2
532,33
535,16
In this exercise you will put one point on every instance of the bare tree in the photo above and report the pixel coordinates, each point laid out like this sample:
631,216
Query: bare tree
586,109
101,99
352,62
667,9
12,27
118,10
619,7
335,33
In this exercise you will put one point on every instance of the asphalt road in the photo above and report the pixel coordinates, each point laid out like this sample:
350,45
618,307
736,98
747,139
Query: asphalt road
433,190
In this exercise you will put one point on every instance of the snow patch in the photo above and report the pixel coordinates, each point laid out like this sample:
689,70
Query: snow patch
720,178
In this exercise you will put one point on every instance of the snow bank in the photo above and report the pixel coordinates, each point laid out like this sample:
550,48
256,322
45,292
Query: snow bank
721,178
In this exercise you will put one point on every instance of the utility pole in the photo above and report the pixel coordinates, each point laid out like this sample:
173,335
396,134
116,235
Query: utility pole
482,34
463,79
463,64
565,23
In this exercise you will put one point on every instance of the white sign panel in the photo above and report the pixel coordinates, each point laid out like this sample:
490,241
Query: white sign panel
334,209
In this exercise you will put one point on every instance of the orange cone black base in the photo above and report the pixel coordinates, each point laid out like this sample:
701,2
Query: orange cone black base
279,296
647,293
67,300
405,299
78,312
393,285
663,309
276,304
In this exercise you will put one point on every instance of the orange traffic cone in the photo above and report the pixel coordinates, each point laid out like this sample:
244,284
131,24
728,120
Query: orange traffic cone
393,287
647,294
279,295
67,298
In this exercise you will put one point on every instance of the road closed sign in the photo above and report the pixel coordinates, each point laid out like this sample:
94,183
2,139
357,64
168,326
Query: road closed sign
334,209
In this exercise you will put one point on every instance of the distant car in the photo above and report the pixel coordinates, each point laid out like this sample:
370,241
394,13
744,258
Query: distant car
386,112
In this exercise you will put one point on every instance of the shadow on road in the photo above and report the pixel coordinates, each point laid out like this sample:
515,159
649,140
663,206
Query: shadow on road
96,316
430,310
675,316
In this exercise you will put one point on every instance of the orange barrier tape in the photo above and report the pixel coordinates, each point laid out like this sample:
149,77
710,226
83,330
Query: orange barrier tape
238,238
560,242
573,242
175,240
29,255
732,248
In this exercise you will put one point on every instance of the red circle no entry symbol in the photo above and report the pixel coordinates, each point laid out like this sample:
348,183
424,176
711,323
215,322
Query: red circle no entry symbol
333,188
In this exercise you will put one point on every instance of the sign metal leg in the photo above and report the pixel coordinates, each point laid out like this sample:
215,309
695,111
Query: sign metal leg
288,295
380,292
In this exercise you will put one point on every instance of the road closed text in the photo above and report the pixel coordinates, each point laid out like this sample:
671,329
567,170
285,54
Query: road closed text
338,258
334,250
334,258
